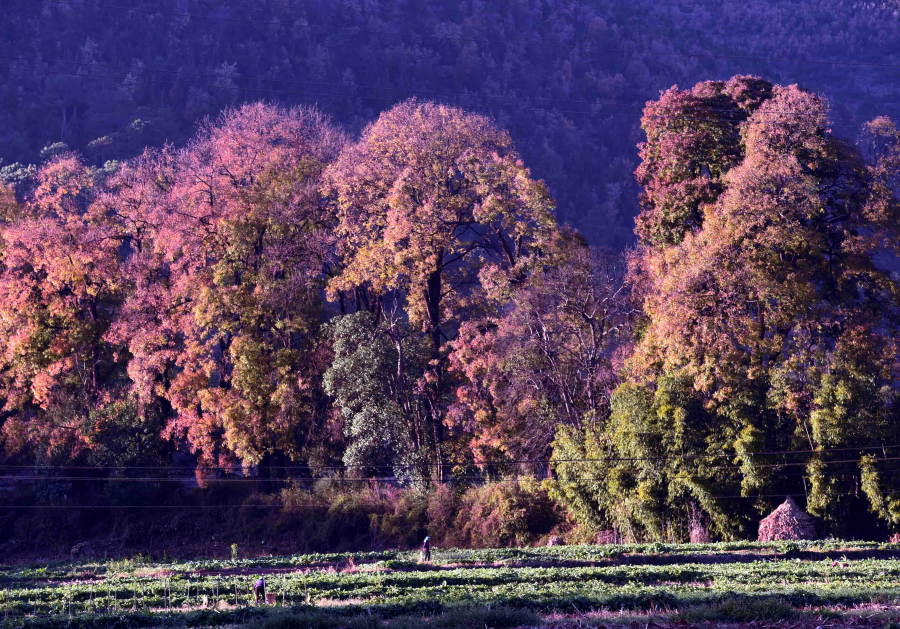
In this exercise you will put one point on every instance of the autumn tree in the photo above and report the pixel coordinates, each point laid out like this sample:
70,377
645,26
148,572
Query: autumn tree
693,139
433,204
60,287
229,243
546,358
770,321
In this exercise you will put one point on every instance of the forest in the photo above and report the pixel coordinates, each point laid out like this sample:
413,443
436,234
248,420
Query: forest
567,78
278,300
463,312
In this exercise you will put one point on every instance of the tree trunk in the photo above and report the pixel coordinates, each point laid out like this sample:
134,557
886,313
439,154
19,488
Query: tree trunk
433,301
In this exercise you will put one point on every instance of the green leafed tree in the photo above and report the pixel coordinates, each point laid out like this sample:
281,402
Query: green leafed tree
372,380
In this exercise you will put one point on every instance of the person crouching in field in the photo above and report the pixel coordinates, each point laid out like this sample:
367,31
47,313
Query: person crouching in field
259,590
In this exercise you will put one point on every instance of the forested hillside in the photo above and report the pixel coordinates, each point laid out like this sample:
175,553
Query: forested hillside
567,78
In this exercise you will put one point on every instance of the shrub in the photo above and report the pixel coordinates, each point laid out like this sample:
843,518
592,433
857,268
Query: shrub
493,515
442,509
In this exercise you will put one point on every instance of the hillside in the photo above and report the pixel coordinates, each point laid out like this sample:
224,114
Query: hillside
568,78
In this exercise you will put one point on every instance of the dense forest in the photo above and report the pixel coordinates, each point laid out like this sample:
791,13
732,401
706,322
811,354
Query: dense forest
574,279
567,79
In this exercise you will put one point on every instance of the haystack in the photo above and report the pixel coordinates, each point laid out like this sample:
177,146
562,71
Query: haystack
787,522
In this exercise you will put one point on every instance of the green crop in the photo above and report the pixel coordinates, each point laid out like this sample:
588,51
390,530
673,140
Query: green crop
386,584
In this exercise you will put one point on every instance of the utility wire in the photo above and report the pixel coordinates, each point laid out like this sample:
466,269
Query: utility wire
818,62
481,462
325,504
388,479
311,479
255,479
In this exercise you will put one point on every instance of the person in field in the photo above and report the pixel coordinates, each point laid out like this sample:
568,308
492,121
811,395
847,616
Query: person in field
426,550
259,590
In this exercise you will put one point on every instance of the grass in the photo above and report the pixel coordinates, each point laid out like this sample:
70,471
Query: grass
492,588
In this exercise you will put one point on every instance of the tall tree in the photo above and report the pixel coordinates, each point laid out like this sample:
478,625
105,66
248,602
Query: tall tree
372,379
230,242
546,358
434,203
693,139
772,317
60,286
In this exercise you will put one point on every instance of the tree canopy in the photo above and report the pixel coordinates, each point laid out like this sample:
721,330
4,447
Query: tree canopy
769,313
279,294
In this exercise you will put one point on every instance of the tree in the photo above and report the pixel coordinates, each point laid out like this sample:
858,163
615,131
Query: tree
774,312
433,204
693,139
230,242
60,286
383,420
546,358
626,473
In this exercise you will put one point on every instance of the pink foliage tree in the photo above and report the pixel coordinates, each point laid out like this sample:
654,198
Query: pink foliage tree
60,285
229,245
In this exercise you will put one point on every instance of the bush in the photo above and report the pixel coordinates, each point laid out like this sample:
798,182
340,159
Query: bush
331,516
353,517
443,507
494,515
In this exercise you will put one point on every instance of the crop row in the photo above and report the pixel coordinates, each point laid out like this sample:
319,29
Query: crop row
580,553
414,590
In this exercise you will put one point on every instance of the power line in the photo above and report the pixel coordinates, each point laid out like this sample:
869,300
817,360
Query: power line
325,504
477,462
817,62
387,480
393,479
311,479
236,506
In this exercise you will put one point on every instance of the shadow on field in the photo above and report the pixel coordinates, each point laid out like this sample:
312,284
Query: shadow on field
496,618
737,612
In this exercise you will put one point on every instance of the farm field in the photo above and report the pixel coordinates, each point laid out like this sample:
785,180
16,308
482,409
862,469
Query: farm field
821,584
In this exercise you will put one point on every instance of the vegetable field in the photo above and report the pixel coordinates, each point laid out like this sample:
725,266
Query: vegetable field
583,581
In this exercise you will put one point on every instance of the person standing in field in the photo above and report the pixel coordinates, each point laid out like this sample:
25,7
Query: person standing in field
426,550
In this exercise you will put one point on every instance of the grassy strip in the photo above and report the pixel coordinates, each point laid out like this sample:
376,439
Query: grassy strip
357,594
467,618
537,599
740,609
584,553
856,582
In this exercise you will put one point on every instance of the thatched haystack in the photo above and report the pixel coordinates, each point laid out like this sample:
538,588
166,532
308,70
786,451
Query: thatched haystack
787,522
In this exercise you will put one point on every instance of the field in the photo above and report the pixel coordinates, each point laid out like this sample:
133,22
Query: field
816,584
